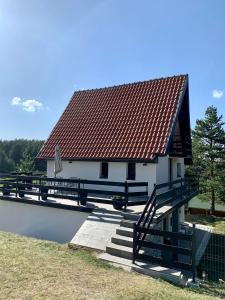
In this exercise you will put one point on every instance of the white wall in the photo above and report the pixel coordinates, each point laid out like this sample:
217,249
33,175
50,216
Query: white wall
162,175
146,173
162,169
151,172
41,222
117,172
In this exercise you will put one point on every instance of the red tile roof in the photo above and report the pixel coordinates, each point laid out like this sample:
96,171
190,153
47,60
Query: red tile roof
130,121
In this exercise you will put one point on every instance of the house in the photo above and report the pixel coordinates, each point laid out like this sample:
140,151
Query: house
130,132
127,136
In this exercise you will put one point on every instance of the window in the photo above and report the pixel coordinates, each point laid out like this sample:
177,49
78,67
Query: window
104,170
131,171
170,169
178,169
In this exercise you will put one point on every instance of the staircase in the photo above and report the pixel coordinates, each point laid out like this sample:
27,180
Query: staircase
132,244
119,252
121,244
158,206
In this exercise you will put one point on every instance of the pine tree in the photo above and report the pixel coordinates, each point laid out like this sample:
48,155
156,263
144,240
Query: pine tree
209,138
196,168
26,163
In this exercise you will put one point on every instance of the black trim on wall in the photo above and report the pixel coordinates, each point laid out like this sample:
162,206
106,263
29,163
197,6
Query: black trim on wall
47,204
151,161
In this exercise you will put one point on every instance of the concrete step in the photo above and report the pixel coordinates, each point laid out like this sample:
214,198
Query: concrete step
127,223
124,231
116,261
130,216
157,271
118,250
122,240
152,270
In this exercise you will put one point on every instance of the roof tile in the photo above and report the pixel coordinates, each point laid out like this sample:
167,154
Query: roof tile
120,122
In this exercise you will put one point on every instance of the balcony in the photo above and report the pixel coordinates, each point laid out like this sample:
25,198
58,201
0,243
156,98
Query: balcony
181,148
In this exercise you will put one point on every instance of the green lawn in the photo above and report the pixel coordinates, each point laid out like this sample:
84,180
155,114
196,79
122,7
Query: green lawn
35,269
196,202
217,223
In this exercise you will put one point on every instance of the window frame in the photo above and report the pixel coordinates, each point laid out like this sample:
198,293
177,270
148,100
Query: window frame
101,175
128,165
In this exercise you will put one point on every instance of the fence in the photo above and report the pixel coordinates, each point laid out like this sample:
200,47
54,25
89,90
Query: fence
204,211
71,189
212,264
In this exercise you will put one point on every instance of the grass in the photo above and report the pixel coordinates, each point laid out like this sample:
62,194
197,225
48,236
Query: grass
201,201
216,222
35,269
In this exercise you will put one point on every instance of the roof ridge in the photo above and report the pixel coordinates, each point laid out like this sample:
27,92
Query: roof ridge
130,83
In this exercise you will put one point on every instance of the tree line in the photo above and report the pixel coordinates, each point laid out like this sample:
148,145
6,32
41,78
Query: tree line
19,155
208,146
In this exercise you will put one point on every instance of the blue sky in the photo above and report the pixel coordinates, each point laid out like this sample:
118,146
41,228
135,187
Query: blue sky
50,48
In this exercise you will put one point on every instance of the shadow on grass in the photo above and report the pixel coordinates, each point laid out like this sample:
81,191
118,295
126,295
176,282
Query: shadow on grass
212,289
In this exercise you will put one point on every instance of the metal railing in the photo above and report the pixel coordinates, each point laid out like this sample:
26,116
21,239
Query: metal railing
212,263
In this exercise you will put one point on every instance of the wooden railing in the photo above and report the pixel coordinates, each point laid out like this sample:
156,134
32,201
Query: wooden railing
181,147
168,255
178,192
157,200
70,189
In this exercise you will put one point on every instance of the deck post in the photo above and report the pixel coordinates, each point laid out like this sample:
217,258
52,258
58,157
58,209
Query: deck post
126,193
181,188
78,202
134,242
39,195
175,228
194,254
16,186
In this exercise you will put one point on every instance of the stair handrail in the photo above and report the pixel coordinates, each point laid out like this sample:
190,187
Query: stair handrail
148,214
148,210
149,202
151,207
152,197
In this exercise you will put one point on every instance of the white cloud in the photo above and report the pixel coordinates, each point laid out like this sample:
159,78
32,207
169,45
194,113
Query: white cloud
16,101
30,105
217,94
